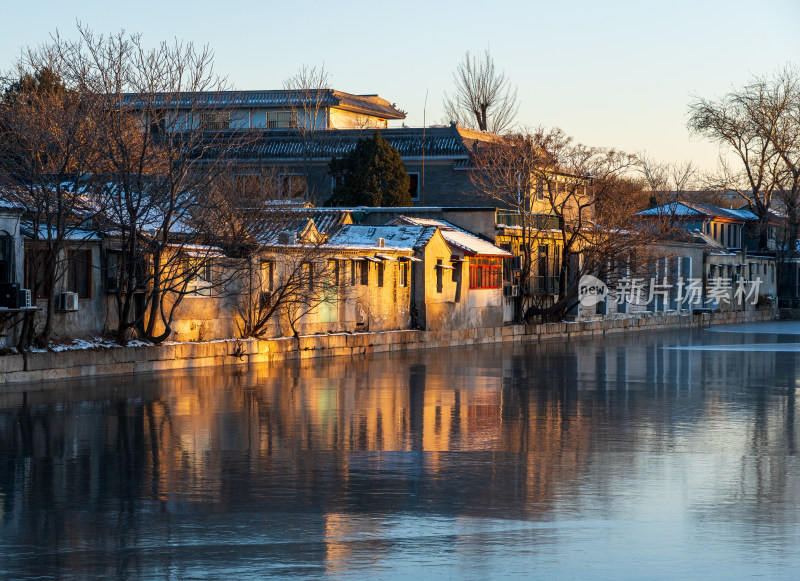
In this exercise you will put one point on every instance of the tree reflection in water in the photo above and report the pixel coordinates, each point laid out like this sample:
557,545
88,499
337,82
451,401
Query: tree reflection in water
467,457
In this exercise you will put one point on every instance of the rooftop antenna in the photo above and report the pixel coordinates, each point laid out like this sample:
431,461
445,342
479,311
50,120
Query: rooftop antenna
424,123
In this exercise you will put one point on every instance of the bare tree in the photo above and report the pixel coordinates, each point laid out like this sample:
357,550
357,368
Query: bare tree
561,190
288,279
307,92
48,125
667,182
482,98
746,123
784,106
162,152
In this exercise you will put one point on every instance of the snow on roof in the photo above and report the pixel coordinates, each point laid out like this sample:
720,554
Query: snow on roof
692,209
744,213
72,234
672,209
456,237
7,206
301,221
395,237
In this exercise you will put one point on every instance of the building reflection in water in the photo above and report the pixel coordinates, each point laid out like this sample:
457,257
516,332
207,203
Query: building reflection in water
314,462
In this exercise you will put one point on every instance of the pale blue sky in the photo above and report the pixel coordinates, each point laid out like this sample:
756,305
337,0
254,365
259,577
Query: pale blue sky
615,73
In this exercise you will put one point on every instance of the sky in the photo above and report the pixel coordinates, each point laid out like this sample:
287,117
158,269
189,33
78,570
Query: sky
612,73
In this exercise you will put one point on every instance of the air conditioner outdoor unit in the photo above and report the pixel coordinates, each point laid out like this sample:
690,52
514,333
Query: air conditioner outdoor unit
24,300
9,295
68,302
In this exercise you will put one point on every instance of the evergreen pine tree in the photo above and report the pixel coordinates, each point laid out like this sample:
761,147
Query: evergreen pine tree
371,174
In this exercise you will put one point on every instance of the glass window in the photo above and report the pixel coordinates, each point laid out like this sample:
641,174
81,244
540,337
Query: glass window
485,272
79,274
413,185
293,186
268,275
215,120
279,119
6,259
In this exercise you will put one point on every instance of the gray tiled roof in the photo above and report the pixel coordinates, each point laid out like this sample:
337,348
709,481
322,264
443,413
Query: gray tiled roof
297,220
366,104
437,143
692,209
396,237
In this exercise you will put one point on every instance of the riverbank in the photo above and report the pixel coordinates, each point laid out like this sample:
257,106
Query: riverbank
67,364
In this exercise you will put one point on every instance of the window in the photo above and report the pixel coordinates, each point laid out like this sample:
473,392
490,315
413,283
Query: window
268,275
293,186
508,275
115,274
112,273
35,273
200,277
333,268
380,274
247,186
328,309
539,191
6,259
413,185
215,120
308,272
158,122
543,260
353,273
364,266
279,119
439,275
485,272
403,273
79,273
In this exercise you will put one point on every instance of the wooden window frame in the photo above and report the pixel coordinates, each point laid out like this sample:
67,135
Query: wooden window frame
75,265
403,274
485,272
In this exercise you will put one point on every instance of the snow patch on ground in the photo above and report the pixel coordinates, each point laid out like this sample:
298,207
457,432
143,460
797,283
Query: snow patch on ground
82,344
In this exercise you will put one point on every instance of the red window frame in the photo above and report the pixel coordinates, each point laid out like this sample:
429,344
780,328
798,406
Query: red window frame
485,272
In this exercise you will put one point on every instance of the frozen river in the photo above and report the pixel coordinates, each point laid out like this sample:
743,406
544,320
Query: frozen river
668,455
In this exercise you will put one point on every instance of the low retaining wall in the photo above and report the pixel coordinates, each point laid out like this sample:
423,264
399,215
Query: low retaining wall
116,361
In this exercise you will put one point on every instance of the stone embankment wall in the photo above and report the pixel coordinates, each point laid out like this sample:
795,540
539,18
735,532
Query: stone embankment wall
115,361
